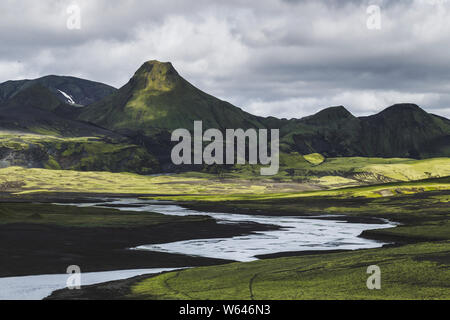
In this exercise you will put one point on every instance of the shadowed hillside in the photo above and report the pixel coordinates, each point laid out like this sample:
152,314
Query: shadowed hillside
71,90
403,130
36,109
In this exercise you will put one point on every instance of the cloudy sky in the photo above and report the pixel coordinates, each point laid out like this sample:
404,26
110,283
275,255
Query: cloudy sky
287,58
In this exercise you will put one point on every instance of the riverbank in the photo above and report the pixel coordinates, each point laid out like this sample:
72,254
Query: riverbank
419,271
46,239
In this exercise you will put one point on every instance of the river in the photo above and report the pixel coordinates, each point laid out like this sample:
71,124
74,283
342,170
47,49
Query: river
293,234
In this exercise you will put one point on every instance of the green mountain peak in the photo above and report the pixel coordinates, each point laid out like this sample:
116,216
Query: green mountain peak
330,115
156,77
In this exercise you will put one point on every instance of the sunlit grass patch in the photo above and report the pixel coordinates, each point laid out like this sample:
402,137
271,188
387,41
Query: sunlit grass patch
43,180
71,216
314,158
419,271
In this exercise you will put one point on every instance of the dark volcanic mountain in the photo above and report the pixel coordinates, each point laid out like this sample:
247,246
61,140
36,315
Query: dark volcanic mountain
157,97
69,90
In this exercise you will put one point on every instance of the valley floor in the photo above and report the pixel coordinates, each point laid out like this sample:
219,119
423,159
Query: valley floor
416,266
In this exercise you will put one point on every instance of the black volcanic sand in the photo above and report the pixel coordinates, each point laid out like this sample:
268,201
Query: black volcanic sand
113,290
42,248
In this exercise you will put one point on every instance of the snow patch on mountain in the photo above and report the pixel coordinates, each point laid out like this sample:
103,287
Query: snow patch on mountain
68,97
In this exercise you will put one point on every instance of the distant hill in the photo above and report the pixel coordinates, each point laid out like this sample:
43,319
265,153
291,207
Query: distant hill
71,90
36,109
402,130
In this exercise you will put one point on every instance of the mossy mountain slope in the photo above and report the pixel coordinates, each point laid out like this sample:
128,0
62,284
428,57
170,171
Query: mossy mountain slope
158,97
